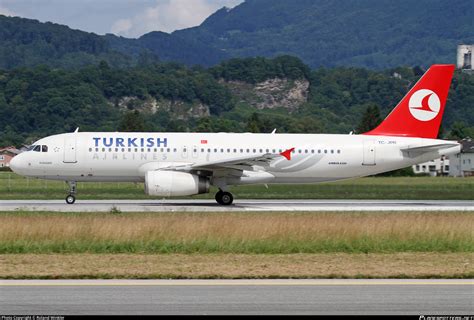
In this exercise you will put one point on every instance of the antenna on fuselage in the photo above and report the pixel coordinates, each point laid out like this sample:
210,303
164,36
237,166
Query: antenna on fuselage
77,130
274,131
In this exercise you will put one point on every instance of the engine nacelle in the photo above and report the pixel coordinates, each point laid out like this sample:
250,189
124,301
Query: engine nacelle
174,184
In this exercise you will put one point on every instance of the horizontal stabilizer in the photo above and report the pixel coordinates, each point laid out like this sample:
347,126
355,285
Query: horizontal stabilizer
430,148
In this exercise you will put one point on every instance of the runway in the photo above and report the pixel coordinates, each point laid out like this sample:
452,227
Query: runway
239,205
132,297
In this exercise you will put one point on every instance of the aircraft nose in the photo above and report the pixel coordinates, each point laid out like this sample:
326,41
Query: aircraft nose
17,164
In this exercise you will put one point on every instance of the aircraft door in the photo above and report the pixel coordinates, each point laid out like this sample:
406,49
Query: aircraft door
369,153
185,152
70,150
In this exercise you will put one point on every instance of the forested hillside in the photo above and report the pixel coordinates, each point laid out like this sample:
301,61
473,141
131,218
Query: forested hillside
374,34
26,42
39,101
368,33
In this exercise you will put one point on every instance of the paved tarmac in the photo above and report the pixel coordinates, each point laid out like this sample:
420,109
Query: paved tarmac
239,205
133,297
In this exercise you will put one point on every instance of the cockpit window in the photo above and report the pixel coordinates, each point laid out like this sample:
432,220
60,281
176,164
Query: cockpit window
37,148
44,148
30,148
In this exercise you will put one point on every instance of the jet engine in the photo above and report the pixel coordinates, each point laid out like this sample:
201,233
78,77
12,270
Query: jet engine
174,184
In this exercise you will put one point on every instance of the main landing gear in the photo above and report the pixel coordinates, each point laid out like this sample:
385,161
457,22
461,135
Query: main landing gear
224,198
71,198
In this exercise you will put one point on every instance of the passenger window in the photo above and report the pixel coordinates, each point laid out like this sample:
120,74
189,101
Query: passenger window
37,149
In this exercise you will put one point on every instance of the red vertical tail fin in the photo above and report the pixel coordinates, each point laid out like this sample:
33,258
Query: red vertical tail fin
420,112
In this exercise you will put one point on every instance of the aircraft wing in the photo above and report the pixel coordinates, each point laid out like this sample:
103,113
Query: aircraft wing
240,163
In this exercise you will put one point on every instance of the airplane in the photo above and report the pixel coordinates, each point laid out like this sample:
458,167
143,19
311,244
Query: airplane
186,164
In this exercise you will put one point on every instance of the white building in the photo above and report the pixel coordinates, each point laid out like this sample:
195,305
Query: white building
437,167
462,164
465,60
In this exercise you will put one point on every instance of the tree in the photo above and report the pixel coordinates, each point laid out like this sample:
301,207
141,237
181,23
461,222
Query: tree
132,121
459,131
370,120
254,124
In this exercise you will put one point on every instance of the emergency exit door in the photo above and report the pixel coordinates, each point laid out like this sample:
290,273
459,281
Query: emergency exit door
70,150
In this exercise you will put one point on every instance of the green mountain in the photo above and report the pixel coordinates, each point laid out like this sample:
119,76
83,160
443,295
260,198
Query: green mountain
26,42
368,33
375,34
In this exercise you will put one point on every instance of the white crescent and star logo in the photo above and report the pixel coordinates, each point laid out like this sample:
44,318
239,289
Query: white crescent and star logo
424,105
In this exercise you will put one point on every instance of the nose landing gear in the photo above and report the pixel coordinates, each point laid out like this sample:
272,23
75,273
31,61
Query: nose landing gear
71,198
224,198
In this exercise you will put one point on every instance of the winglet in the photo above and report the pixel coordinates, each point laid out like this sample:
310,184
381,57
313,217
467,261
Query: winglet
287,153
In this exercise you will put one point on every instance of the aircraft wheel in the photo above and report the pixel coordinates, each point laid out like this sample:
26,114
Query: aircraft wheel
224,198
219,196
70,199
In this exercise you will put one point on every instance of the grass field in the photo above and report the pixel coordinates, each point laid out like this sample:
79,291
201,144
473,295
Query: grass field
236,233
236,266
13,186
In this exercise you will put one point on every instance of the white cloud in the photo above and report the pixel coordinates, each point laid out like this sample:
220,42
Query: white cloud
6,12
122,26
167,16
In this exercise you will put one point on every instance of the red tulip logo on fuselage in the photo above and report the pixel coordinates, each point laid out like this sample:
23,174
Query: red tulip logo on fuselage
424,105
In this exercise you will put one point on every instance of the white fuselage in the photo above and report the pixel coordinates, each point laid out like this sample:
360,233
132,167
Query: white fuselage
317,157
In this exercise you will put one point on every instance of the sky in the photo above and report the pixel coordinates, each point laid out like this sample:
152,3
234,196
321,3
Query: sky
128,18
